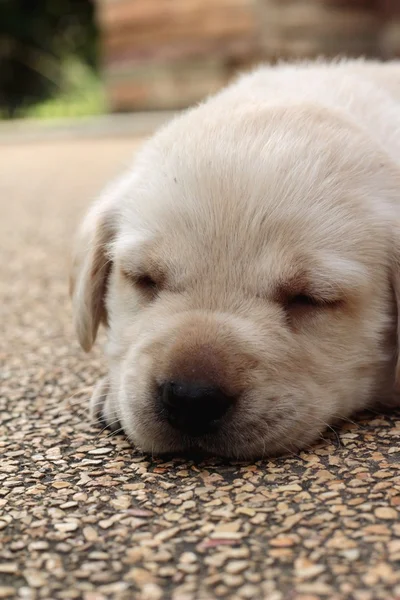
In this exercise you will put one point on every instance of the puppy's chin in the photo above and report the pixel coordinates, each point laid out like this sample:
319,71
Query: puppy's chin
160,439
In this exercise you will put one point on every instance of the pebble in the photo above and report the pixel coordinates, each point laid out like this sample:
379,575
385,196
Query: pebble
35,579
236,566
306,569
8,567
59,485
139,576
151,591
66,527
7,591
233,580
90,534
187,558
283,542
121,502
53,453
387,513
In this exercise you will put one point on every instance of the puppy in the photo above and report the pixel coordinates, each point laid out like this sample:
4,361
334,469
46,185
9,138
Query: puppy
247,266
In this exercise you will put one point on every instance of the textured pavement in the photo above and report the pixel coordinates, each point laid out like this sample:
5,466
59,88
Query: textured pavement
82,515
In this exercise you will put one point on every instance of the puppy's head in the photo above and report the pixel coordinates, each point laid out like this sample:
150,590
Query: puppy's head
245,270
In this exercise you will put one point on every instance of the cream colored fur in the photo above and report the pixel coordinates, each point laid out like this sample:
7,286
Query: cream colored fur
284,185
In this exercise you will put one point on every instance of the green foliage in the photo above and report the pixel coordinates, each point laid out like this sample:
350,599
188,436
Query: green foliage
83,95
38,38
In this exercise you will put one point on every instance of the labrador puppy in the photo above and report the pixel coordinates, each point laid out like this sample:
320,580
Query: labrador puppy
247,266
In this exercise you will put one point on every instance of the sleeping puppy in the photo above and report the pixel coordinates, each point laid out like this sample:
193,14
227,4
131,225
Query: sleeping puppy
247,266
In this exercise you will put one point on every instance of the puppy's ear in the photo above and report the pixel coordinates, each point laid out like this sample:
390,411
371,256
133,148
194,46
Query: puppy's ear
89,273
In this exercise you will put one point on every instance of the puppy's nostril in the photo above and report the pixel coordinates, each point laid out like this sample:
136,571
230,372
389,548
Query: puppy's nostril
194,407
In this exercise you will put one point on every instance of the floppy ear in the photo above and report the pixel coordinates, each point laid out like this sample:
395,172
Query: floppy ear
89,274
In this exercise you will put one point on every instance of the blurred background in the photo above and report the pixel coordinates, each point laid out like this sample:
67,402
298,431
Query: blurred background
71,58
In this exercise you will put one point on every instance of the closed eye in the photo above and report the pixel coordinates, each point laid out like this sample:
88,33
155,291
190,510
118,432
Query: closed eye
300,304
304,300
146,282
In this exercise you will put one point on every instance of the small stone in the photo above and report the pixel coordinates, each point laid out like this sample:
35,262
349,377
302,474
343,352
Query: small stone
188,568
9,568
121,502
80,497
17,545
292,487
90,534
173,516
106,523
7,592
139,576
66,527
228,527
98,556
387,513
220,591
236,566
282,542
35,579
39,545
64,548
382,474
54,453
317,589
188,505
166,571
394,546
233,580
135,555
351,554
248,591
100,451
138,512
59,485
226,535
377,530
187,558
244,510
164,556
305,569
151,591
67,505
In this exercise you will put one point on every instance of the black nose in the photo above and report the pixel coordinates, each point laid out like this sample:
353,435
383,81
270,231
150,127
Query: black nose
194,408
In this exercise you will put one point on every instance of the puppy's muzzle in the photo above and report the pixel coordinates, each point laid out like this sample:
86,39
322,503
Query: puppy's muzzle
194,407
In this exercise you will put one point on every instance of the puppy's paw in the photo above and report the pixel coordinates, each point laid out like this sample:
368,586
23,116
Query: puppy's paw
101,408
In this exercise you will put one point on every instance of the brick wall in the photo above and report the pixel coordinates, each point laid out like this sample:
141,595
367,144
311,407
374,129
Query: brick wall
161,54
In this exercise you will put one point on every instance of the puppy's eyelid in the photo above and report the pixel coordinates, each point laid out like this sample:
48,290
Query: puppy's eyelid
309,301
144,281
302,300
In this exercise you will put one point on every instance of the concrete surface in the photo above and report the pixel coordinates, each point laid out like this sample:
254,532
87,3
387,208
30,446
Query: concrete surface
82,515
117,125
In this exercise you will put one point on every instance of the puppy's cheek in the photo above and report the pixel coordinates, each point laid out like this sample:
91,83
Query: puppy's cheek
102,407
287,423
138,412
98,400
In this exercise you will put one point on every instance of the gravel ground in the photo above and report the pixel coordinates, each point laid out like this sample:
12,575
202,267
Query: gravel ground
82,515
